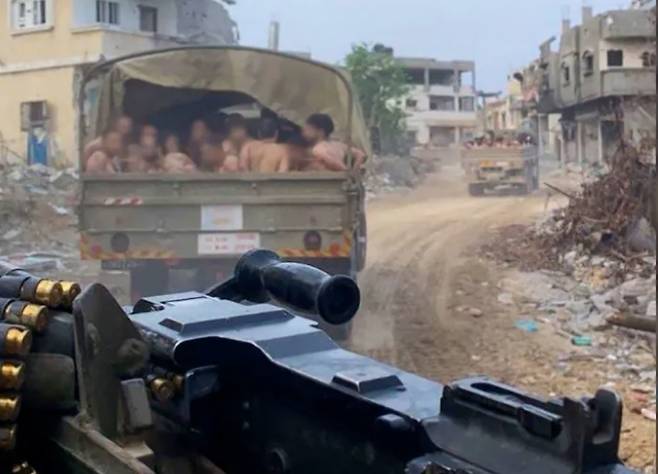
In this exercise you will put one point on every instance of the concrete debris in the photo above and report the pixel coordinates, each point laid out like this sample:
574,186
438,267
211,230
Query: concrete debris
37,215
388,173
506,298
475,312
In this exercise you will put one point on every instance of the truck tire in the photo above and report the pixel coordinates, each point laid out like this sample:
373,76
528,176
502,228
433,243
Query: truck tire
475,189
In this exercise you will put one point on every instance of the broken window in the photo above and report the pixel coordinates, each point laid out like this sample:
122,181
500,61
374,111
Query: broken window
33,114
588,63
442,77
467,104
615,58
412,103
648,59
442,102
566,73
148,19
415,76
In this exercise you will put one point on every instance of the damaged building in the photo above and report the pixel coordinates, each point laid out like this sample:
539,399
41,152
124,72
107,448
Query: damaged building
441,103
601,79
45,46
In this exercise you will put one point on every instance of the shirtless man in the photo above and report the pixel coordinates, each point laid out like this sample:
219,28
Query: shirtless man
327,155
254,151
237,134
151,152
199,134
171,144
123,125
212,156
107,159
134,161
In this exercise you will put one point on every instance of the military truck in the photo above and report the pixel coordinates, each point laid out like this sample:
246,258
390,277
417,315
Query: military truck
184,232
492,168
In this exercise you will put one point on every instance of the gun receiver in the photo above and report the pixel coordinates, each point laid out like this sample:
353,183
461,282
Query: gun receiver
231,381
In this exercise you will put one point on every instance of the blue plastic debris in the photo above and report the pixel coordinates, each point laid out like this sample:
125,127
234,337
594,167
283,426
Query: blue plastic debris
527,325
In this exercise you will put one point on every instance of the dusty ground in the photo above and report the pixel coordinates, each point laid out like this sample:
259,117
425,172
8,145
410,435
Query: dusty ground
423,270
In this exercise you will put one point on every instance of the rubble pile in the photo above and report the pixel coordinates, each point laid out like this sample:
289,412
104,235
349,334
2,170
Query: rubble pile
37,218
391,172
589,271
611,213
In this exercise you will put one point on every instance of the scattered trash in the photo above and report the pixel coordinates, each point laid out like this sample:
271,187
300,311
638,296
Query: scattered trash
581,341
527,325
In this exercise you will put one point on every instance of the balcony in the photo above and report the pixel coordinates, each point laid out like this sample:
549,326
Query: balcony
629,82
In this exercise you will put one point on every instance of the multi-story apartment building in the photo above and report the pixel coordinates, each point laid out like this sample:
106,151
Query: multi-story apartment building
441,105
45,46
602,80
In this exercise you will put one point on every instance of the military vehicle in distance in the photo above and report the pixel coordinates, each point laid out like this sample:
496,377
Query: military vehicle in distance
499,162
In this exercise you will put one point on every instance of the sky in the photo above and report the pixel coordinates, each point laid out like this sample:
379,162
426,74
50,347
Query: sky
499,35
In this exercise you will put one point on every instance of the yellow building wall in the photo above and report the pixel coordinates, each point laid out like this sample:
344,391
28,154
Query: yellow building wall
48,44
55,86
39,65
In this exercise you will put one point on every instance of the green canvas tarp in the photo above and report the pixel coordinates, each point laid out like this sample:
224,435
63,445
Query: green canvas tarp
292,87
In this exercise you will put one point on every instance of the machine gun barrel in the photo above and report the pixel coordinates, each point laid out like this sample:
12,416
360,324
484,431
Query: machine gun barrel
261,276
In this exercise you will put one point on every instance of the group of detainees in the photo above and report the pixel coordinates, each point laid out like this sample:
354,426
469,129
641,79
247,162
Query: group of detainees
228,148
491,140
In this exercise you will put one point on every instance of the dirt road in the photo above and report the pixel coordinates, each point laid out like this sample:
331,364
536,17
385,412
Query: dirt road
419,255
430,303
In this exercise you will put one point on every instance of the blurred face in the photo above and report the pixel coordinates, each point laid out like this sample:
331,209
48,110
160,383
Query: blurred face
199,131
211,155
150,148
149,131
124,125
312,134
113,143
172,144
135,161
238,135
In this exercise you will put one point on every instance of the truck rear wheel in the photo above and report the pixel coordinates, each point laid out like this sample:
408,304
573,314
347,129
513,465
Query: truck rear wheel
475,189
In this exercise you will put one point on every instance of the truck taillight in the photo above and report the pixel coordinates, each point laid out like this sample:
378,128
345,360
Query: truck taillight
312,240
